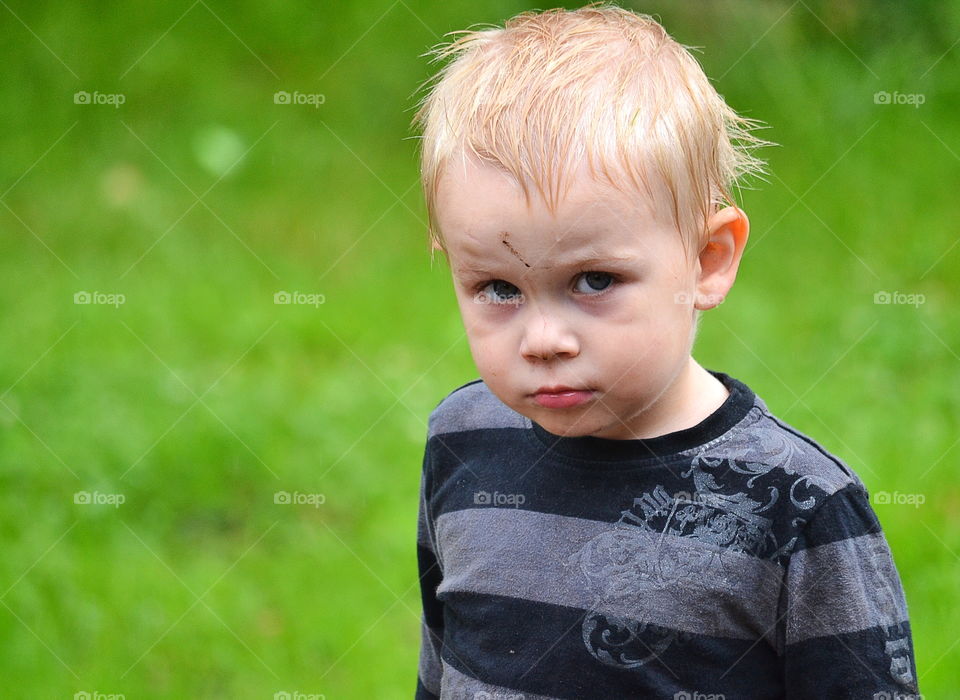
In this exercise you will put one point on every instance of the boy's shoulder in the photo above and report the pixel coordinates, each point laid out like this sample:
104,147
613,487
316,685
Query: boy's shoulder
762,440
759,441
472,406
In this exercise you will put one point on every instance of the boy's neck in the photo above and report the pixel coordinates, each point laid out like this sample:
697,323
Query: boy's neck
693,396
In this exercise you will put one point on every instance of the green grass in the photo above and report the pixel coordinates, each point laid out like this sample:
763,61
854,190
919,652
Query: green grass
199,398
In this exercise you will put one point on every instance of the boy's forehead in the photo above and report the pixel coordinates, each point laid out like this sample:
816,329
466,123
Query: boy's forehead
485,219
476,250
480,242
474,195
470,174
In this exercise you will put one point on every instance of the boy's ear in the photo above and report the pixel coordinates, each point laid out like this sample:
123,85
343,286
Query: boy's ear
719,259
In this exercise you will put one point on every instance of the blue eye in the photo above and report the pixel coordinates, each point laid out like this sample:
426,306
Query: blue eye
595,282
499,292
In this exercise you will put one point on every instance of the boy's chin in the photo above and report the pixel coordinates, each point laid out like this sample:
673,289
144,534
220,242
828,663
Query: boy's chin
563,423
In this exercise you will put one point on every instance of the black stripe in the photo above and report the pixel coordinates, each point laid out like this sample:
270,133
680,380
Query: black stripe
845,514
430,577
856,660
423,693
541,649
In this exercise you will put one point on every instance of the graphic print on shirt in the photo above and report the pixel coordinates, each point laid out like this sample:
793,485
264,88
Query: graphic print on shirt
618,566
638,556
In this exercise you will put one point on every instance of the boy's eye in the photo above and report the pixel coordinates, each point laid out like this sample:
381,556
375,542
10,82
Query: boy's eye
502,292
499,292
593,282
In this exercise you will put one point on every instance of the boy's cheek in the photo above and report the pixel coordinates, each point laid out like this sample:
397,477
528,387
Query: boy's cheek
482,327
488,360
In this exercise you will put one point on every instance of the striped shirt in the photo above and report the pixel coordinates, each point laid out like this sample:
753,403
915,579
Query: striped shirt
733,559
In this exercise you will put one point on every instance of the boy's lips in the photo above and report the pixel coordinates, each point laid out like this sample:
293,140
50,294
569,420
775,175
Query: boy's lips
561,396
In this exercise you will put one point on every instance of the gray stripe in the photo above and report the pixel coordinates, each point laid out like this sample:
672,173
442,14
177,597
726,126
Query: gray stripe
429,667
843,586
473,408
760,442
457,686
617,570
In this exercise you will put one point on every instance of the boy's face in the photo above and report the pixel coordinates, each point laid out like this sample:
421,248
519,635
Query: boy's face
597,298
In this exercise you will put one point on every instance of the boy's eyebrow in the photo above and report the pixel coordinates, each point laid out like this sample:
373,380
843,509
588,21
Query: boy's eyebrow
570,261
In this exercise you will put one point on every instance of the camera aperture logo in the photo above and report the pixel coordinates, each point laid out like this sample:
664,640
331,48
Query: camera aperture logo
85,498
99,299
282,97
285,498
299,298
485,498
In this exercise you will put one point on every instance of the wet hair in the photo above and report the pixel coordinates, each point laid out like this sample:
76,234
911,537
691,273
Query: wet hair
602,84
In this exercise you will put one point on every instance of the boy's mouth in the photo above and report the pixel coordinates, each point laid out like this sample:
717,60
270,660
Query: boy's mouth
561,396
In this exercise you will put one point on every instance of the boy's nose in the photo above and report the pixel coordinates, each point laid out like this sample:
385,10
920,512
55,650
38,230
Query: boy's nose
546,337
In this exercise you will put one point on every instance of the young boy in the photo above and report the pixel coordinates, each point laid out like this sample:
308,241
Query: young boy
600,516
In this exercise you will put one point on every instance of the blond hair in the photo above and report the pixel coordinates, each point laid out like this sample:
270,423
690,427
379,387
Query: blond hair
600,83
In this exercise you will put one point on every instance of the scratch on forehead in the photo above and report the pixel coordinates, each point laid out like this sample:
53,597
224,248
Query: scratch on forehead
503,239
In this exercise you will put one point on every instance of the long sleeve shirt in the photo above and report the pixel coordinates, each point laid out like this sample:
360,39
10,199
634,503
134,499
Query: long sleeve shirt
735,559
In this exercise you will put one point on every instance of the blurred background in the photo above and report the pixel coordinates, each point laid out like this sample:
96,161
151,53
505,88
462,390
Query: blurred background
222,332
